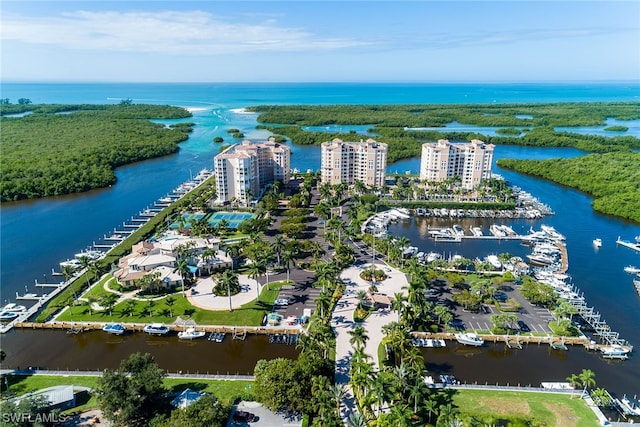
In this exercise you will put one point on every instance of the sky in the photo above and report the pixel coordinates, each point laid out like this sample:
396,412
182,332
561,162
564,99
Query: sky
319,41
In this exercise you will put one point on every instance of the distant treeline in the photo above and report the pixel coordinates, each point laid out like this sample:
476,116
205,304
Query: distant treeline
613,179
62,149
535,122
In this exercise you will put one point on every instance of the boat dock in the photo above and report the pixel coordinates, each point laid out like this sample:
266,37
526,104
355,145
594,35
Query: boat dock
518,341
236,332
630,245
109,242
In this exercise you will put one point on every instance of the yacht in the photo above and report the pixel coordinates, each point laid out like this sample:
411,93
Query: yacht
469,338
114,328
91,255
540,259
12,307
71,263
551,232
597,243
458,230
614,351
190,334
494,261
156,329
8,315
631,269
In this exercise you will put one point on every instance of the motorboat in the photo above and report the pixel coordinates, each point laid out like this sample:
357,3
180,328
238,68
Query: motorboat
597,243
614,351
631,269
8,315
88,254
190,334
494,261
540,259
12,307
469,338
71,263
552,233
156,329
114,328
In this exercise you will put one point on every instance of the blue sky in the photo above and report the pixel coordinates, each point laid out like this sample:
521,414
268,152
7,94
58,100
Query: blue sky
296,41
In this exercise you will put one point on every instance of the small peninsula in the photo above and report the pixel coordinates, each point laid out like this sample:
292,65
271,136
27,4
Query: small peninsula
51,150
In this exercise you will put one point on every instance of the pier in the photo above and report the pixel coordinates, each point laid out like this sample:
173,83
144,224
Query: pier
630,245
117,237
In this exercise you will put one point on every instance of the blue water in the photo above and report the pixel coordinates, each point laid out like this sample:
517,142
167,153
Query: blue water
37,235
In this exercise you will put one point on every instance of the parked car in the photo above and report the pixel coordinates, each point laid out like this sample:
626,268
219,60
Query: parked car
281,302
523,326
456,324
243,417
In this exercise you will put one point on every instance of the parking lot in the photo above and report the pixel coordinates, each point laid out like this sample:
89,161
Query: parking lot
535,319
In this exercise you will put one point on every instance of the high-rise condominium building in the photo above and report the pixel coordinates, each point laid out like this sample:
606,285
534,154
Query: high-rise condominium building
349,162
469,161
244,170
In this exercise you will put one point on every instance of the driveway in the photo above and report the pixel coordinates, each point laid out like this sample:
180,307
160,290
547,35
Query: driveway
265,417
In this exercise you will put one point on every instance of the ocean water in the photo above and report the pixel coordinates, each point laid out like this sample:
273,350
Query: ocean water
36,235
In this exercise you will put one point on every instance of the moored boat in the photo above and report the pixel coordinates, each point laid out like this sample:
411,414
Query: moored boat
156,329
114,328
614,351
632,269
8,315
469,338
12,307
597,243
190,334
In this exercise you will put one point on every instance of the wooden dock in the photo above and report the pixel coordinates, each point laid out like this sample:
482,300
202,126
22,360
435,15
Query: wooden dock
237,331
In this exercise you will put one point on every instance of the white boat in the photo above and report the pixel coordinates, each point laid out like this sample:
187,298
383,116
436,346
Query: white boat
71,263
494,261
8,315
469,338
12,307
629,407
614,351
114,328
156,329
432,256
631,269
540,259
597,243
92,255
458,230
190,334
551,232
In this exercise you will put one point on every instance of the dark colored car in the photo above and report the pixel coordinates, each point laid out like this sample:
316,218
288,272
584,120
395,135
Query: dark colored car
523,326
457,324
243,417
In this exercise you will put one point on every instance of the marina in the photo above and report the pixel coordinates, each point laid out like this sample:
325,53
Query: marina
92,253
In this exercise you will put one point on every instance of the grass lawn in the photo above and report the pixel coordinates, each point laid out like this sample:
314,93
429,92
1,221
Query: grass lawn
548,409
250,314
225,390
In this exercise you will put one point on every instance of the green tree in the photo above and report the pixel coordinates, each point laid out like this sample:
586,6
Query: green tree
131,394
169,301
207,411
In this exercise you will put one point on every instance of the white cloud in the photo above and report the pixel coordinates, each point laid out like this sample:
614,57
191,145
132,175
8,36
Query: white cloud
171,32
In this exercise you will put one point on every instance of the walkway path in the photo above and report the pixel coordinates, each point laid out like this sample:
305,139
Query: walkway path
342,323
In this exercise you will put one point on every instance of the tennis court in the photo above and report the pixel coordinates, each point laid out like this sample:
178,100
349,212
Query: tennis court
187,220
234,219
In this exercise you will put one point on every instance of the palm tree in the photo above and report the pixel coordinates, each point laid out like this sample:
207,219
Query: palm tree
150,304
323,301
182,269
278,246
448,413
587,378
169,301
229,278
255,270
108,302
208,255
85,263
356,419
67,272
338,391
440,311
233,251
287,260
129,306
359,336
431,405
361,296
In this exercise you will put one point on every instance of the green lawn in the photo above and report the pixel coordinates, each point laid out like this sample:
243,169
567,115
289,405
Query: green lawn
250,314
225,390
548,409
